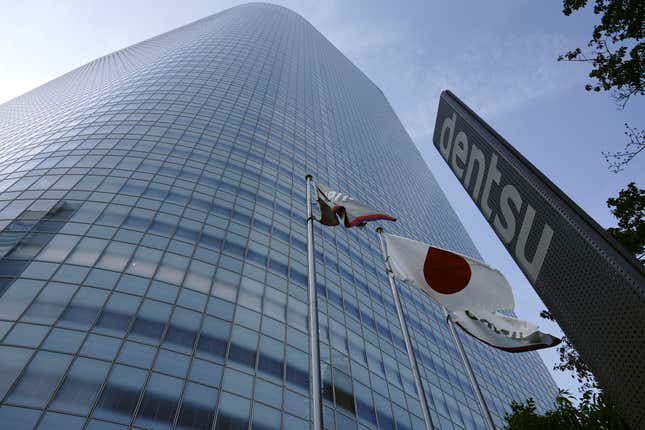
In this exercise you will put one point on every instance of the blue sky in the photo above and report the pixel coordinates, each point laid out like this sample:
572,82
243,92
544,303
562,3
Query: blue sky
497,56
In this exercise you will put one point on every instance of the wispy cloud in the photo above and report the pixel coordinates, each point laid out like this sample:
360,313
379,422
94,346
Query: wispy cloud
493,74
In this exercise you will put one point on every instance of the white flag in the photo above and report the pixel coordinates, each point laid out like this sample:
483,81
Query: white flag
456,281
503,332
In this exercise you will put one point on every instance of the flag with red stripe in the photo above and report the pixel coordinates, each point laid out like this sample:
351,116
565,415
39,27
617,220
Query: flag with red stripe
336,207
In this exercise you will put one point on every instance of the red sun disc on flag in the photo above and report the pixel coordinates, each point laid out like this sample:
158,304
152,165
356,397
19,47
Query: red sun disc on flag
445,272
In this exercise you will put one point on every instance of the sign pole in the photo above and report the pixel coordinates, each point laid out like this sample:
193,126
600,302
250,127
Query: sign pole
314,345
406,336
469,371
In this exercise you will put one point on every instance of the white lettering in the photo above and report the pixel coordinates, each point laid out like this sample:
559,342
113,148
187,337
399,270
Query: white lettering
493,175
447,123
460,153
509,194
532,268
476,155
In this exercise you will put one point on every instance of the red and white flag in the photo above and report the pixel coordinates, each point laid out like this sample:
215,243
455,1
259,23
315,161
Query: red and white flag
454,280
352,212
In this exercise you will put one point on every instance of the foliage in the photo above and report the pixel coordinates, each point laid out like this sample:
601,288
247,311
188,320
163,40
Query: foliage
619,160
570,361
593,412
629,209
617,52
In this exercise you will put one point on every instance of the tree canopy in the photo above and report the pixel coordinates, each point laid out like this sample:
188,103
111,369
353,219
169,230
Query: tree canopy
596,412
616,50
629,209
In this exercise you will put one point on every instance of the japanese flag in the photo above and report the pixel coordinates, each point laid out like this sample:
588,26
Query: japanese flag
454,280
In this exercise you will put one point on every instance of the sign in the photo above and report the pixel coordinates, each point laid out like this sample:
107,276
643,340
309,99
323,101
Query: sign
592,286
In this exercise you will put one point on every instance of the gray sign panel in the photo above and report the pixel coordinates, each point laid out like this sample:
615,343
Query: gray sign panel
592,286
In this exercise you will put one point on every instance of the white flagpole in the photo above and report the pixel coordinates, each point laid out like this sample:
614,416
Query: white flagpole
406,336
469,371
314,345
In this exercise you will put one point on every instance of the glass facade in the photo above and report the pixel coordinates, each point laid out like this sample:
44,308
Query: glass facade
152,244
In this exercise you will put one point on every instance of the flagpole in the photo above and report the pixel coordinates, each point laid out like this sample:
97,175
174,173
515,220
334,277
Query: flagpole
314,345
488,419
406,336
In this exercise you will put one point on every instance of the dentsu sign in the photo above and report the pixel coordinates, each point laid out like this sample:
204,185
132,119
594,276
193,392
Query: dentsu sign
467,156
592,286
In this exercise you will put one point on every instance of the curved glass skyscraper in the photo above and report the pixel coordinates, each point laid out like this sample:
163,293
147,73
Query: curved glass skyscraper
152,244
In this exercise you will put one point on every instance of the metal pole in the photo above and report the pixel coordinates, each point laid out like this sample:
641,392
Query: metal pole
314,345
469,371
406,336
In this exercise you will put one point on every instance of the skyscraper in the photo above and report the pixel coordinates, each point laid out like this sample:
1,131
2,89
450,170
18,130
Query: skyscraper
152,244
